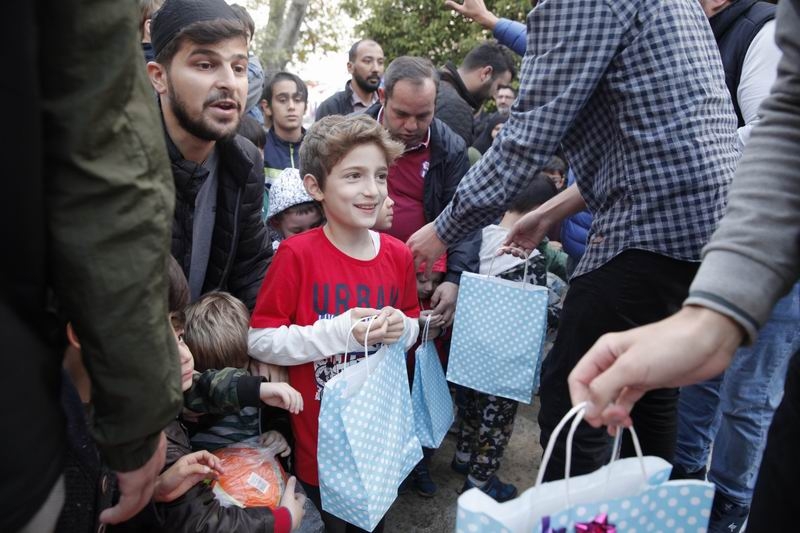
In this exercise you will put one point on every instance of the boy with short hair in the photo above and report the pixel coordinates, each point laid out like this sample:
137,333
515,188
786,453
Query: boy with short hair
285,99
292,209
322,282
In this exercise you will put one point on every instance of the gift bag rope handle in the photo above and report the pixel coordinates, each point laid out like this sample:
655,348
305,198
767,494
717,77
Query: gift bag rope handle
426,329
576,416
524,281
369,320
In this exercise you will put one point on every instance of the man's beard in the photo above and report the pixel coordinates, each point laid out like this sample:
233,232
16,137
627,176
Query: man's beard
200,127
365,84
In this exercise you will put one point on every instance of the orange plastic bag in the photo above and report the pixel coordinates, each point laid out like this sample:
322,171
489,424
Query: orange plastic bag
253,477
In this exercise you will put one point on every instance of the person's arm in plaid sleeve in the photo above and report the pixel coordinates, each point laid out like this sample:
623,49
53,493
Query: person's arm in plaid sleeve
570,45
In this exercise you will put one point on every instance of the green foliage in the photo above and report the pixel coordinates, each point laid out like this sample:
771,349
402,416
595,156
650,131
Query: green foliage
425,27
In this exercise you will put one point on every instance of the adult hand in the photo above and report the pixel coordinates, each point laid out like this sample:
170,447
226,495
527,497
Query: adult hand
187,472
528,231
474,10
294,502
426,247
690,346
275,440
136,487
444,303
433,330
272,373
281,395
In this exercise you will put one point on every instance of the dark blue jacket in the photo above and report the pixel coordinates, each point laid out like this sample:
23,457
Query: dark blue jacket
279,154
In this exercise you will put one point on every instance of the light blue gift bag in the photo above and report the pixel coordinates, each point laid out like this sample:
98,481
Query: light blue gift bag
367,444
430,395
498,335
633,495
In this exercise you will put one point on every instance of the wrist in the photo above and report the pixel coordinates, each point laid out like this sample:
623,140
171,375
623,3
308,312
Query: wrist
720,330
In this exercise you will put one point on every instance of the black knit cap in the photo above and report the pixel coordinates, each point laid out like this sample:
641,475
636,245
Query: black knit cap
175,15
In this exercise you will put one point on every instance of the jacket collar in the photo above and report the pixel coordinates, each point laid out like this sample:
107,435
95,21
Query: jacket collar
722,21
449,74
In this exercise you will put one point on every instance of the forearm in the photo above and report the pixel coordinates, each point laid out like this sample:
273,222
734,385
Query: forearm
296,345
566,203
222,391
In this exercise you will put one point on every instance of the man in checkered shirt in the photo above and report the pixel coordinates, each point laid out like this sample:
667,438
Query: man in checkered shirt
635,93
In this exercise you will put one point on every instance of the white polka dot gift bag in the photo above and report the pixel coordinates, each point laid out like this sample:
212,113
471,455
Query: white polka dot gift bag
630,495
367,444
498,336
430,394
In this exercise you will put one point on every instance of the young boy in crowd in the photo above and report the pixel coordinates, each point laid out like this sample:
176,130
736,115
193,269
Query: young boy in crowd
486,421
285,99
292,209
216,333
324,281
182,501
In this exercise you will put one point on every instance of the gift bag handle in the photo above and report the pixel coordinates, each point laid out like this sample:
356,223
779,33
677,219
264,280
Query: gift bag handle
524,281
576,415
369,320
426,329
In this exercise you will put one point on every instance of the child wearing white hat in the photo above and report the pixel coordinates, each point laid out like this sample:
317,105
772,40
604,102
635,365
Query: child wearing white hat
291,209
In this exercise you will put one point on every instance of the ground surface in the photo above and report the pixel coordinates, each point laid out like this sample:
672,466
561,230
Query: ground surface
413,514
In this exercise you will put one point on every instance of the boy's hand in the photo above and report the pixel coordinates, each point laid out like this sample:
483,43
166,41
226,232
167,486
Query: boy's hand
273,373
275,441
281,395
293,502
395,324
444,303
433,330
187,472
376,328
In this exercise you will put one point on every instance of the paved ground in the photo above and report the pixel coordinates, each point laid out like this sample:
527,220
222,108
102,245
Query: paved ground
413,514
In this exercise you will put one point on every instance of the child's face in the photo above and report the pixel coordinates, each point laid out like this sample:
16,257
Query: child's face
355,189
287,107
385,215
425,287
292,223
186,359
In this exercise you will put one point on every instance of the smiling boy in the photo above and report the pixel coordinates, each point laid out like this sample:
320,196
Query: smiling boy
324,280
200,76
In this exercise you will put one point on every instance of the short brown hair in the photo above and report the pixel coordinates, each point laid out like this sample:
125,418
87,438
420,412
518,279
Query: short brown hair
216,331
146,10
330,139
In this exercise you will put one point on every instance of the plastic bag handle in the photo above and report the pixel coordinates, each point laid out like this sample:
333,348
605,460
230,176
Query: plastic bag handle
524,281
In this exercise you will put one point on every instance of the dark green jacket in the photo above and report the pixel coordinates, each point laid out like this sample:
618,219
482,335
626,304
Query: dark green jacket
85,211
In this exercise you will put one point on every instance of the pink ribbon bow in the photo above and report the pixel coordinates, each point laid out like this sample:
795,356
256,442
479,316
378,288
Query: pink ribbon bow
598,525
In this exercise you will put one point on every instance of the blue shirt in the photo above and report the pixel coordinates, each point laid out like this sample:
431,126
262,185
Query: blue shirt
636,94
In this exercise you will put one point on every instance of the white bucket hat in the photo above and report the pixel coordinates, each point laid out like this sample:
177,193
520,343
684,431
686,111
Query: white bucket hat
287,190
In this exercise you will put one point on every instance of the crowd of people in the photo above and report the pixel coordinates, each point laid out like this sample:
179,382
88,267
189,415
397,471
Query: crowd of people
196,265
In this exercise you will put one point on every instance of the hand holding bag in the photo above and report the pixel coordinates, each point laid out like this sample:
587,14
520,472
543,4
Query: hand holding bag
367,444
628,495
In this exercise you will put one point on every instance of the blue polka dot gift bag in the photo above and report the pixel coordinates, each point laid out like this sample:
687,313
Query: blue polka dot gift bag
498,335
430,394
630,495
367,444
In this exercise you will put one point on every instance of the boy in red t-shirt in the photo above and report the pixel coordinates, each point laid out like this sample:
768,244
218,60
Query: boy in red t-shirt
323,281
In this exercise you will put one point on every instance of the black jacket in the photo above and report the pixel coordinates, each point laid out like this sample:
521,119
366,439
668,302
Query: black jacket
455,106
340,103
448,165
239,250
734,28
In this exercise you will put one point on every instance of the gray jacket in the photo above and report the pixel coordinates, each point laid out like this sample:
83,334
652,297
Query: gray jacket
754,256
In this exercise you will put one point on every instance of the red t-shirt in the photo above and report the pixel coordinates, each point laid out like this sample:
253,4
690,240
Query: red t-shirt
407,189
311,279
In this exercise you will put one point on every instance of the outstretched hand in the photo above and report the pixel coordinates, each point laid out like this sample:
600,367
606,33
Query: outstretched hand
281,395
692,345
426,247
528,232
187,472
474,10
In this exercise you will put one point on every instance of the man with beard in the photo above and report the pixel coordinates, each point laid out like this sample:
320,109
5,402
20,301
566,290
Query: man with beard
365,65
200,75
463,90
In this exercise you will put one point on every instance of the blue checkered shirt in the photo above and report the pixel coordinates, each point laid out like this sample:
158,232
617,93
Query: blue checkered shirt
635,92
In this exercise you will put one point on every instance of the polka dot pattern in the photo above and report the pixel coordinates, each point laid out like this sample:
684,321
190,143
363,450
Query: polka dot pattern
498,336
674,506
430,397
366,444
